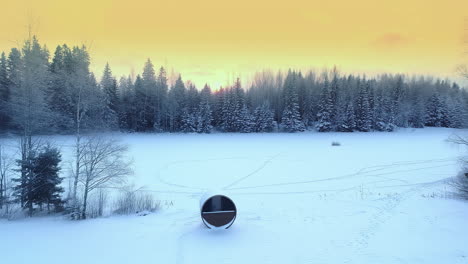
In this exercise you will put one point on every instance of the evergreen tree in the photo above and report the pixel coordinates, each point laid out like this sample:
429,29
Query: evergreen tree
146,98
371,98
46,184
15,68
396,104
218,102
240,114
291,119
379,122
434,112
349,123
389,115
204,114
4,93
41,183
417,114
59,90
363,122
24,190
245,120
303,97
263,119
109,87
325,108
176,102
234,112
141,106
334,97
192,98
127,118
161,123
189,121
444,110
456,112
228,111
92,102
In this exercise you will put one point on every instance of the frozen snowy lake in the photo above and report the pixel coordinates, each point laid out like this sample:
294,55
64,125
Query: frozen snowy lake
377,198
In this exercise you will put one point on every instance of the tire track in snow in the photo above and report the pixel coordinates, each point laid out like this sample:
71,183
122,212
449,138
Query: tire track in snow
169,164
361,172
261,167
406,183
353,188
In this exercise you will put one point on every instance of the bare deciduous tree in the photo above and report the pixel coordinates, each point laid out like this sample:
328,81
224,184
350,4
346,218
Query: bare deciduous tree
461,182
5,167
104,165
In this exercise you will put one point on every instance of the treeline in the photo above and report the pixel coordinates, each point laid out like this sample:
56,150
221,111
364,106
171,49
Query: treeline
44,93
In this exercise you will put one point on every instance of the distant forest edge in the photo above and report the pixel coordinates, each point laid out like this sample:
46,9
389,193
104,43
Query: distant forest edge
44,94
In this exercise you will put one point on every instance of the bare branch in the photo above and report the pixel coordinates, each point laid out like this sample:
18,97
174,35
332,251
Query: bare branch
104,165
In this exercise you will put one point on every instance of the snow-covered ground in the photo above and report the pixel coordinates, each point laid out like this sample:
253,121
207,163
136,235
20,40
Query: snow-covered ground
377,198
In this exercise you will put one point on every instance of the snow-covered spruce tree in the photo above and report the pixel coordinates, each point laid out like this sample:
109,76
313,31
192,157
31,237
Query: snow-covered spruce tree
370,87
111,99
47,189
245,120
263,119
397,94
58,99
127,120
228,110
218,102
456,112
241,115
4,94
291,119
233,117
379,123
176,102
188,122
161,122
334,93
204,114
145,97
349,122
363,122
303,96
325,108
23,190
40,183
141,119
445,121
28,105
416,118
434,112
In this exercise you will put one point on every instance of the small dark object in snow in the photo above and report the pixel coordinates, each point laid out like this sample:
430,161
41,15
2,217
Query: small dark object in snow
336,144
466,174
143,213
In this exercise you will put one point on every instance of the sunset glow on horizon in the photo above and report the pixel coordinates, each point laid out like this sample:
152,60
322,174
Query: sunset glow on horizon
217,41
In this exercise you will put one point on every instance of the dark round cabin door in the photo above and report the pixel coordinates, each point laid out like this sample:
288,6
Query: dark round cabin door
218,211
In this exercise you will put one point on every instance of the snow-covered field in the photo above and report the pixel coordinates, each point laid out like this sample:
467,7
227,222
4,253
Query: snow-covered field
377,198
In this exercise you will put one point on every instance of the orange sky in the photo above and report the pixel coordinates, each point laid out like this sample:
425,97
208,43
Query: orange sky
216,40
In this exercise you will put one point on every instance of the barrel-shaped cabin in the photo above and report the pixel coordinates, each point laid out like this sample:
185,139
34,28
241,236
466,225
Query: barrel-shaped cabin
217,211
